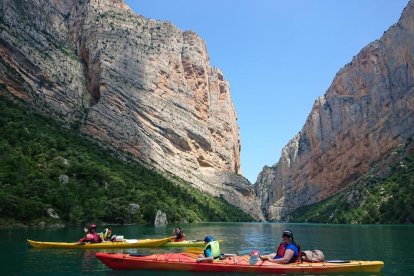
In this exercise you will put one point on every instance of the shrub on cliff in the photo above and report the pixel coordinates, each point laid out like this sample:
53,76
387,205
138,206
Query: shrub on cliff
43,165
387,200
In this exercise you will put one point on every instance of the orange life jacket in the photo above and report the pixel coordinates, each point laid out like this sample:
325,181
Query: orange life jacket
281,252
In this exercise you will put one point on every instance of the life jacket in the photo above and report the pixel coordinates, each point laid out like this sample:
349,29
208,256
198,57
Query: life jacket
95,238
214,247
105,235
281,252
179,237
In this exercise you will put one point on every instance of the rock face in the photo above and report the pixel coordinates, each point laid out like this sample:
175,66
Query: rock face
366,113
52,213
141,86
160,219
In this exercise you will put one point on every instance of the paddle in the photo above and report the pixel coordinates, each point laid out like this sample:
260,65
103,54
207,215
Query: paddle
337,261
194,250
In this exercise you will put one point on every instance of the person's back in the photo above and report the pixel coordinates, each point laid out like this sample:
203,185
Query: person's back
211,250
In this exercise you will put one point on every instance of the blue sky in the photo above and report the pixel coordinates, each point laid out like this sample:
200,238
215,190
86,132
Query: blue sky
278,56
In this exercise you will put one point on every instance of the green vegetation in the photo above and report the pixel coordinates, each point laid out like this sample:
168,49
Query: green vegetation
388,199
43,165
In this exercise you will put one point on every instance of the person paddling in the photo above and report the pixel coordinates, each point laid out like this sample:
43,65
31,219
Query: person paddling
178,234
211,251
287,252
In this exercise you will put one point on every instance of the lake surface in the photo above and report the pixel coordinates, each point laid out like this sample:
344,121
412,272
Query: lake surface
392,244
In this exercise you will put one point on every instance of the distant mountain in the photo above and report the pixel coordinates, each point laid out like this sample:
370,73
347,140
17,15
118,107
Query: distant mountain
136,85
366,114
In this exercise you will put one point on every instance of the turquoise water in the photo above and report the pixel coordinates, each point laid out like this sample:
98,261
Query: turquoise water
389,243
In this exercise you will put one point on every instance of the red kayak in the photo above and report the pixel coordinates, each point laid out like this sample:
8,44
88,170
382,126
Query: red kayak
187,262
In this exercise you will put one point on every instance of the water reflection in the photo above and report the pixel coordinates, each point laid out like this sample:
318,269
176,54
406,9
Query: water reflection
40,261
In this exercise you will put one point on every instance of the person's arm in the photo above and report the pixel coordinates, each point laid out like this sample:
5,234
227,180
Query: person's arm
264,257
205,259
208,258
103,240
286,258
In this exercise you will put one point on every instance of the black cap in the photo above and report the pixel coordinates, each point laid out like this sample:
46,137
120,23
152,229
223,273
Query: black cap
287,233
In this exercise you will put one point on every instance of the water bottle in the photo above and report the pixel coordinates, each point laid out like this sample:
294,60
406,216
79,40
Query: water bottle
254,257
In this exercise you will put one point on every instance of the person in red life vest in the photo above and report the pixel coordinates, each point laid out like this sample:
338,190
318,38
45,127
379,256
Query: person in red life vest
178,234
287,252
91,235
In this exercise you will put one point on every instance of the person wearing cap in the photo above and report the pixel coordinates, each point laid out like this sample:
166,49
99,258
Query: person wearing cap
287,252
91,235
211,251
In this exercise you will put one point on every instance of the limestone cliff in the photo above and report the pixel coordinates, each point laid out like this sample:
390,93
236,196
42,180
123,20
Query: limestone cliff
366,113
140,86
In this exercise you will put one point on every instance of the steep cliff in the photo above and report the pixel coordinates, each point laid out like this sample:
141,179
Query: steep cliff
140,86
366,113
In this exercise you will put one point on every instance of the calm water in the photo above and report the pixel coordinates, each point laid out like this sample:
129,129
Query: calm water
392,244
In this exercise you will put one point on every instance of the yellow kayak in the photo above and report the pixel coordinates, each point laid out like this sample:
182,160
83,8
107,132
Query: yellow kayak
128,243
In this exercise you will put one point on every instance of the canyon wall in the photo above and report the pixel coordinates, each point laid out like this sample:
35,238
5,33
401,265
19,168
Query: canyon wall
366,113
137,85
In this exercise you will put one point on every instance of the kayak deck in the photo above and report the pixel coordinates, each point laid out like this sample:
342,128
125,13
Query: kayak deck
144,243
187,262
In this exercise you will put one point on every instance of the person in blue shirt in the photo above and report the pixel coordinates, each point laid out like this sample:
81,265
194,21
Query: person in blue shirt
287,252
211,250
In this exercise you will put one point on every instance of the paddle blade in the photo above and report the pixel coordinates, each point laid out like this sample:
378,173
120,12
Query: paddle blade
194,250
